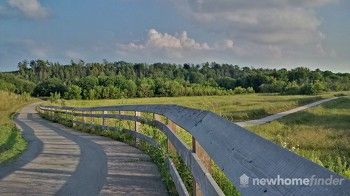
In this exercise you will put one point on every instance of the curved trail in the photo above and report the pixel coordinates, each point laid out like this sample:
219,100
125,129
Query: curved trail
60,161
282,114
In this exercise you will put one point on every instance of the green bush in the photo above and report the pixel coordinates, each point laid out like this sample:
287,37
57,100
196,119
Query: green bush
292,88
250,90
5,86
73,92
239,90
274,87
146,88
55,97
16,84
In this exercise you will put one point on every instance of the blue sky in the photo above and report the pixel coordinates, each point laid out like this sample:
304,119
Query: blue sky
270,33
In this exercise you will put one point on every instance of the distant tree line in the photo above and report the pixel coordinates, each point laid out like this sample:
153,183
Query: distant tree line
80,80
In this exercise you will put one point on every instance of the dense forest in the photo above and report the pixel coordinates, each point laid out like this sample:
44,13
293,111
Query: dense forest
80,80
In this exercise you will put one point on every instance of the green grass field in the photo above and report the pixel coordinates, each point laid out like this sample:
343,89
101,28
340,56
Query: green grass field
11,141
232,107
321,134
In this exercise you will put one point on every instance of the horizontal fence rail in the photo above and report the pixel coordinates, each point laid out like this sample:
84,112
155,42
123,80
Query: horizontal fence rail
235,150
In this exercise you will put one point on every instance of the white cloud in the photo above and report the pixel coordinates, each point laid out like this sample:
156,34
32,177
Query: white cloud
30,8
178,47
280,27
224,45
159,46
164,40
181,48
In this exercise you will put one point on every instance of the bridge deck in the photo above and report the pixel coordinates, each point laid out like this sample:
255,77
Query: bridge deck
64,162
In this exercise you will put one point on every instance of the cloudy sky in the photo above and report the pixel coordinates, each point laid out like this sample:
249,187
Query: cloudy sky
269,33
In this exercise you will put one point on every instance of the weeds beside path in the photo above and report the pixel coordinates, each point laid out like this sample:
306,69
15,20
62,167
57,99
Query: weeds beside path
11,141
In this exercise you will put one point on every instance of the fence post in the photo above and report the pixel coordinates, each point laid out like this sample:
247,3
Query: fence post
172,126
53,114
120,122
103,119
195,185
92,118
116,121
205,159
157,118
84,118
73,118
137,126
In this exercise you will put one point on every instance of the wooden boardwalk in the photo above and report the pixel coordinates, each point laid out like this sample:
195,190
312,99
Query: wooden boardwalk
60,161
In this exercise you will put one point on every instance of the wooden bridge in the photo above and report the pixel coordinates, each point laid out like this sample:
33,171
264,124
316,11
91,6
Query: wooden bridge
235,150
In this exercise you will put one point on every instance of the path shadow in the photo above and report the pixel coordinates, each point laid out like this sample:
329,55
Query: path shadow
340,103
334,121
91,172
10,141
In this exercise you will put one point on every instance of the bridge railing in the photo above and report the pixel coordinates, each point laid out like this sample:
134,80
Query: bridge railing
240,154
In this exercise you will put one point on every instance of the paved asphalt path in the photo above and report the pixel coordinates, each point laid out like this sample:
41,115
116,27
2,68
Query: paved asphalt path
282,114
60,161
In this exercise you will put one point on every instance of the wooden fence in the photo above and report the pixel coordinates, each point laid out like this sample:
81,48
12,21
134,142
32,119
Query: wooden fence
240,154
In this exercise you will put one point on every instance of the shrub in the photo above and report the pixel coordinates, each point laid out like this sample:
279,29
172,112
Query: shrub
88,83
292,88
114,92
55,97
274,87
146,88
239,90
308,89
227,83
312,88
7,86
250,90
73,92
16,84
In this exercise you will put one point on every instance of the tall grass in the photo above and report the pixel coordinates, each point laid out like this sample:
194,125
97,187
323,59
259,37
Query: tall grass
11,141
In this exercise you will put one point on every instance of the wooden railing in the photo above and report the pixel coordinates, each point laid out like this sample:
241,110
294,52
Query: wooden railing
235,150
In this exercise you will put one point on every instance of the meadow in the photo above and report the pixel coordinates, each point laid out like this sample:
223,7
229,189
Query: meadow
232,107
11,141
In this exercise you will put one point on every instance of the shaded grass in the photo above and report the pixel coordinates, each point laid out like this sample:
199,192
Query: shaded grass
11,141
321,134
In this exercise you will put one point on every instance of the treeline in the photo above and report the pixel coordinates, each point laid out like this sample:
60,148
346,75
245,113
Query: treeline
121,79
